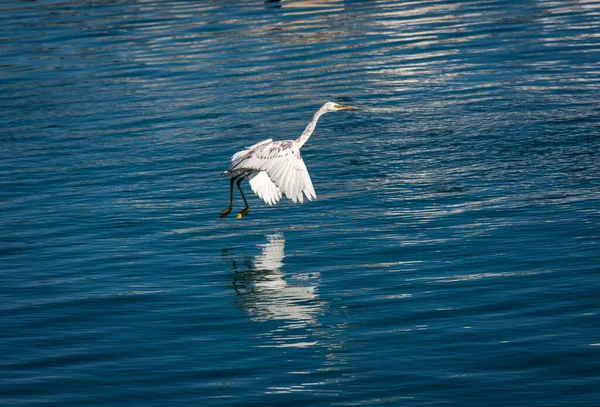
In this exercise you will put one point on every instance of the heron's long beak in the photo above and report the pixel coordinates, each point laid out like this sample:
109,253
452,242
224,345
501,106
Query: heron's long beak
342,107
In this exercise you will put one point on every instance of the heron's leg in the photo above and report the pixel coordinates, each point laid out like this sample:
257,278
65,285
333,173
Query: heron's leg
227,210
246,209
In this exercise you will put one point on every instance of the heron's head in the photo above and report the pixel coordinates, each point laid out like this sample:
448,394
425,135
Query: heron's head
336,107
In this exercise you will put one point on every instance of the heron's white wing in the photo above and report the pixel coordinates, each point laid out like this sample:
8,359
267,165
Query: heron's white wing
262,186
246,153
282,162
286,169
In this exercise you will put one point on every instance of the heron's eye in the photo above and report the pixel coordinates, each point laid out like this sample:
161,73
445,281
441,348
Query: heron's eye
337,106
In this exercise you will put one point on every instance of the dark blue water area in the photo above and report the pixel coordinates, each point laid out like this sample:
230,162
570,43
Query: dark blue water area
451,258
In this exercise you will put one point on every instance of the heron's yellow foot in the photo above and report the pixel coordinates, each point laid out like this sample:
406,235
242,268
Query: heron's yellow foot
225,212
243,213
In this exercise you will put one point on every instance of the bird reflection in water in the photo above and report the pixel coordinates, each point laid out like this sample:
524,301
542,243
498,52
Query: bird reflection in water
268,293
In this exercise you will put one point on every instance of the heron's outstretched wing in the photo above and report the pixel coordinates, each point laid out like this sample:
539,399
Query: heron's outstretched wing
291,176
262,186
238,158
282,162
286,169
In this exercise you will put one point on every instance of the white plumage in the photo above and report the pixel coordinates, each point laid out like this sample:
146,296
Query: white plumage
281,170
262,186
275,168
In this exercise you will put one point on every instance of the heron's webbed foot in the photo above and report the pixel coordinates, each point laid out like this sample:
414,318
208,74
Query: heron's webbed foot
243,212
225,211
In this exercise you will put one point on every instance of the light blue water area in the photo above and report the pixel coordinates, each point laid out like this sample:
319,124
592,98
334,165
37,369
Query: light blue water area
451,258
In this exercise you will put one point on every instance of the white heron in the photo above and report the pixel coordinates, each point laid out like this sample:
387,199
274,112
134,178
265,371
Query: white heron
274,168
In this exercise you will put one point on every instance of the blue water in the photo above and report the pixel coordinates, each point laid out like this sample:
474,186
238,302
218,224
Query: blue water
451,259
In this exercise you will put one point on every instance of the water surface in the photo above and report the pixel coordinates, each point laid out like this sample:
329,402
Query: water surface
451,257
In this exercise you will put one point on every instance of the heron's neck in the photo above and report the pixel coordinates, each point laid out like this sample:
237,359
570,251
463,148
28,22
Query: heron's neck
308,131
